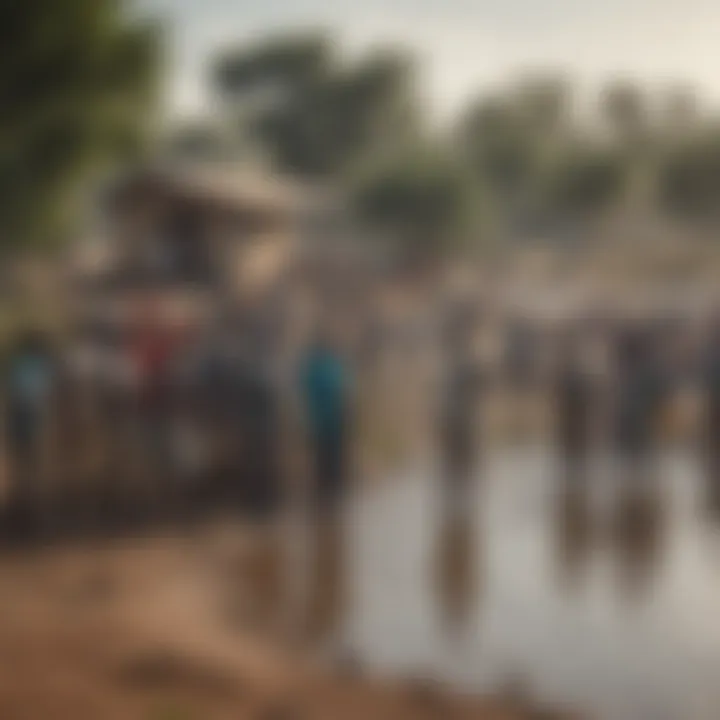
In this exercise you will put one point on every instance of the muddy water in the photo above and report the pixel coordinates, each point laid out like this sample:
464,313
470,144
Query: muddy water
599,598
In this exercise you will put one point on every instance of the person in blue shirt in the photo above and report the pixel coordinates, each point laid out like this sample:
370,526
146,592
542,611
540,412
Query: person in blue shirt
325,393
29,379
325,385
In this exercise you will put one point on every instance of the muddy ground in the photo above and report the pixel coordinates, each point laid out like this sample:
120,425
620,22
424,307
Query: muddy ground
150,629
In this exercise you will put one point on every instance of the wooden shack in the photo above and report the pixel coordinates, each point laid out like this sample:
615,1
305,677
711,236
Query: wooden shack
196,236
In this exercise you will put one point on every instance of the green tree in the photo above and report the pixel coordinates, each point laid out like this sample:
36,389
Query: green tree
624,109
544,171
511,136
315,114
689,179
585,183
498,147
76,83
274,70
507,152
426,200
542,103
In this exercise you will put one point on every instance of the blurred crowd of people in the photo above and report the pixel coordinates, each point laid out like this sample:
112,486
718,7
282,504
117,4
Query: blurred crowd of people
177,407
173,411
166,420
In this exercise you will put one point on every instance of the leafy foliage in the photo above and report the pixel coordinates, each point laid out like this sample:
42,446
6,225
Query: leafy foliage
689,182
426,199
76,80
318,116
521,157
586,182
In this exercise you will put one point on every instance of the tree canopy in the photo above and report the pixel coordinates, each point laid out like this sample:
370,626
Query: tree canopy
318,115
689,179
425,199
77,81
524,158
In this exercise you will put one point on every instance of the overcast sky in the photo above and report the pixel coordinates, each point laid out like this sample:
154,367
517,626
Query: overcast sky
464,45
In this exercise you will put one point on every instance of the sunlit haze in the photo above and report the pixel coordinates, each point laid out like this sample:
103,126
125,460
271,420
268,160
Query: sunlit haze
466,44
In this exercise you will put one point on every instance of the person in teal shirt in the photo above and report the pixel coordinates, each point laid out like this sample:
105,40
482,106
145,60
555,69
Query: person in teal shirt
325,384
29,382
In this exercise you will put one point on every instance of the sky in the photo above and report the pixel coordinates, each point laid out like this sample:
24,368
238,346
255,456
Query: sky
466,46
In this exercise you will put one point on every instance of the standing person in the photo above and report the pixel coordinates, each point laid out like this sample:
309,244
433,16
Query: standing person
238,398
460,408
153,350
456,582
326,390
521,350
574,400
640,392
710,383
576,409
642,388
258,416
28,391
189,447
217,406
325,380
521,361
247,378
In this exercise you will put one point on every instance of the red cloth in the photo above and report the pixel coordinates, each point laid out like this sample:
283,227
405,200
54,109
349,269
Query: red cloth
153,352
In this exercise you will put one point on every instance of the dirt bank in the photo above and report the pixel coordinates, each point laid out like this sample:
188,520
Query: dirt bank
135,630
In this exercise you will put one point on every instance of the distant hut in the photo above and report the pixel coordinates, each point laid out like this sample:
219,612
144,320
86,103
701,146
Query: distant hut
198,237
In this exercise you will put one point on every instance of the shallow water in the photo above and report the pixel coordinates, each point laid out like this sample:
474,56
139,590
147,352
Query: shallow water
590,602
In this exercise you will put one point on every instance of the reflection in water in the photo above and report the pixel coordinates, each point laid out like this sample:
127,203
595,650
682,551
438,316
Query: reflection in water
575,640
569,634
326,599
459,435
639,528
574,526
574,395
456,582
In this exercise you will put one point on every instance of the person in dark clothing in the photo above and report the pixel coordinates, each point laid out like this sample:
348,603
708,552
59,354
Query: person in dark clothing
237,399
642,388
460,405
710,434
154,350
521,365
28,392
258,417
521,353
325,384
456,582
574,401
640,394
257,468
325,381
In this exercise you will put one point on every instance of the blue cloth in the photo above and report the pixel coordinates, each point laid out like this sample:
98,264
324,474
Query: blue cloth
29,384
325,387
30,380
